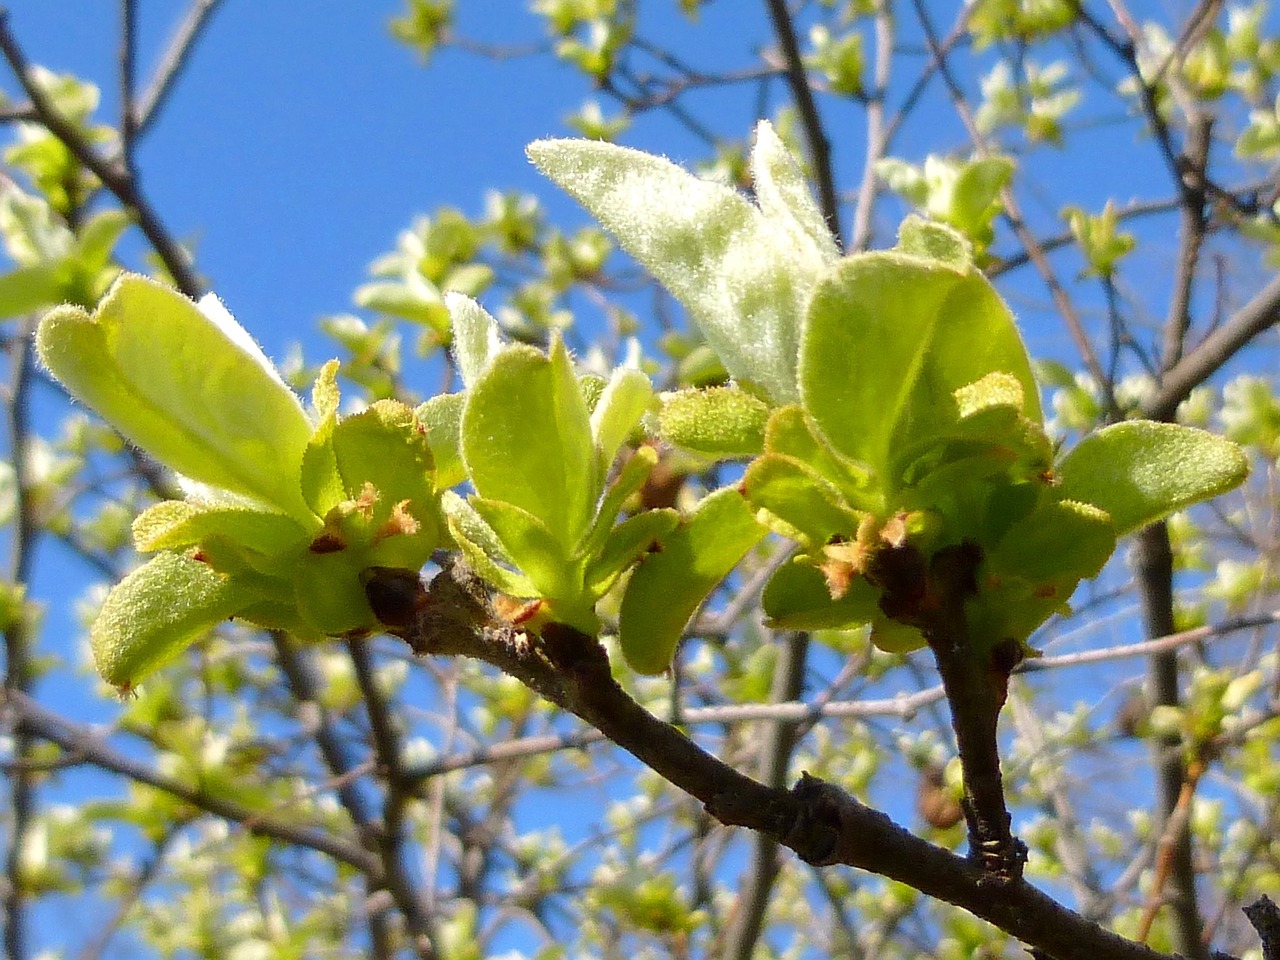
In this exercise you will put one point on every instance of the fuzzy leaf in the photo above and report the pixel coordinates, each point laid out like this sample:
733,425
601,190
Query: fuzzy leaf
797,598
624,400
1140,471
177,524
717,422
741,276
152,614
475,336
188,385
889,339
785,198
531,546
442,417
628,542
794,492
669,586
483,551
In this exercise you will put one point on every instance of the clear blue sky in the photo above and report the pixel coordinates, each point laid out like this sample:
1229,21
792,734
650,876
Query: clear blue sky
302,138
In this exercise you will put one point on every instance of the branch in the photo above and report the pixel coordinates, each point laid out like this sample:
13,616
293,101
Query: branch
751,907
1258,315
386,746
825,826
18,672
819,145
172,63
114,175
877,138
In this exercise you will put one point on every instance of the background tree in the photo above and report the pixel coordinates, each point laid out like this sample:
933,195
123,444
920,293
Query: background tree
1113,170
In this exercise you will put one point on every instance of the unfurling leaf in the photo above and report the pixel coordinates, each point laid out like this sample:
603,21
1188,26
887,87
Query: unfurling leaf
188,385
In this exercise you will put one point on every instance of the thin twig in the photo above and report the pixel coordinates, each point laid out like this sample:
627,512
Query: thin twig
172,63
815,133
114,176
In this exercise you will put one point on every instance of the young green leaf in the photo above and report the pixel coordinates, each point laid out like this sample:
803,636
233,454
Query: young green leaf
1140,471
668,586
624,400
533,549
188,385
177,524
627,543
526,440
889,340
785,198
442,418
151,615
797,597
803,499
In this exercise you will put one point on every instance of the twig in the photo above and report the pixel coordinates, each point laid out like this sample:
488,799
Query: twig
389,841
114,176
751,907
824,825
128,90
877,141
18,674
173,61
305,690
1265,917
819,145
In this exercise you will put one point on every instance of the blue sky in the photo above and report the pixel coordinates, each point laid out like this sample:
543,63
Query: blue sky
298,144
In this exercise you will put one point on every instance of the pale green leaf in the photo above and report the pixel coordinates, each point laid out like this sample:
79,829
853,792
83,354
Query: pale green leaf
785,198
188,385
475,336
526,440
716,422
743,280
155,612
1140,471
890,339
624,400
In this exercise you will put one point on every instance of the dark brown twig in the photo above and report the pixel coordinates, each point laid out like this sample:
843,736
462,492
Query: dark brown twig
815,134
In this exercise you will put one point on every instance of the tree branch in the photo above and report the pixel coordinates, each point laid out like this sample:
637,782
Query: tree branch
821,823
115,176
819,145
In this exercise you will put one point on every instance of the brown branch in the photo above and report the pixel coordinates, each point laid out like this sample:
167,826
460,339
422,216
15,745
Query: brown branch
820,822
114,175
1258,315
1153,561
815,134
18,672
